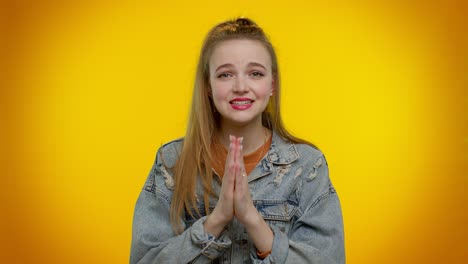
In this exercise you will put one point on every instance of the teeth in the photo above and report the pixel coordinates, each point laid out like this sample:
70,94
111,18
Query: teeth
241,102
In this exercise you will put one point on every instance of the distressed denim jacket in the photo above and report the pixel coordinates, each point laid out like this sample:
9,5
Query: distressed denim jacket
290,188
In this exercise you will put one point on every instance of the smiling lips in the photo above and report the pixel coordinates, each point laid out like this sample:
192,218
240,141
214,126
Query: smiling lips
241,103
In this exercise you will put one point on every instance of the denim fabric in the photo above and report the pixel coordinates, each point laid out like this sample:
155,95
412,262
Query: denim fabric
290,188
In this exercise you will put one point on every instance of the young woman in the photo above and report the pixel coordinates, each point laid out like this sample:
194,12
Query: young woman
238,188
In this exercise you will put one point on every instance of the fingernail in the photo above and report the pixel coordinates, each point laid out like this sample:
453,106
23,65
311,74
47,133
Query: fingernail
241,139
230,137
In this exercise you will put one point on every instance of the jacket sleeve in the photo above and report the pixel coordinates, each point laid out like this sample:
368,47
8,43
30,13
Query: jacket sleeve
317,234
153,240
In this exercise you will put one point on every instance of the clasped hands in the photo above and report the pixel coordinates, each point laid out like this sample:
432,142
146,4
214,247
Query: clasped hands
235,201
234,198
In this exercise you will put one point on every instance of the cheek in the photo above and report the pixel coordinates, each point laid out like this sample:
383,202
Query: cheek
265,93
264,89
218,97
219,92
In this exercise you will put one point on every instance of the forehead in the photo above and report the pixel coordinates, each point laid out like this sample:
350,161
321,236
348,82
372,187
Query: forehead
240,52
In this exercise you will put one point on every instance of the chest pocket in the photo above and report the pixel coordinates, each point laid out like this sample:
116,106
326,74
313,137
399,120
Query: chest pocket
280,214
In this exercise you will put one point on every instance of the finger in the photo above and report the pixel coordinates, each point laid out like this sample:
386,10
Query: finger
239,146
229,157
235,149
228,184
240,173
229,154
241,158
228,177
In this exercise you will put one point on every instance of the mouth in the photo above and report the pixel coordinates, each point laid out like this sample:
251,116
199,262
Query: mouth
241,103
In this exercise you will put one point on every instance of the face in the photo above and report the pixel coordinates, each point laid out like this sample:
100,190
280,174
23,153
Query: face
241,81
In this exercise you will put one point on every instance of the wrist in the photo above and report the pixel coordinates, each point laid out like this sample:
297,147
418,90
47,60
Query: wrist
214,225
261,234
253,221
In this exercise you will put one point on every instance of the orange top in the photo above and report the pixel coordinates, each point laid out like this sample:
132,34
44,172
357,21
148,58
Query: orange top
250,161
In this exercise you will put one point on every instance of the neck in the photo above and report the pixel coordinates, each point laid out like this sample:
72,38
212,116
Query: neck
254,134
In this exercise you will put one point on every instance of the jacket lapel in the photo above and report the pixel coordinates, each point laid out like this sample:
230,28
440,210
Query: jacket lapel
280,153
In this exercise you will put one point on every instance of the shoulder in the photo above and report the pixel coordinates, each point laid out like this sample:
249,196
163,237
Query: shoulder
292,150
313,163
311,154
308,151
314,173
169,152
160,180
173,144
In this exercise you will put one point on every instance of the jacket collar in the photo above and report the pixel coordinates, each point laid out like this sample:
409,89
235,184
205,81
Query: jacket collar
281,153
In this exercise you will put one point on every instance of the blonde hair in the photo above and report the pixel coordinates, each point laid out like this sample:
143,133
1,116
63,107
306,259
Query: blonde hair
195,158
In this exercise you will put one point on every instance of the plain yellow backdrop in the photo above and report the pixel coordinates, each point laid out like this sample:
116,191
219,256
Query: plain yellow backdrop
97,87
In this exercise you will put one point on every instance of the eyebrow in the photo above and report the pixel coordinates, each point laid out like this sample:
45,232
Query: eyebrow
226,65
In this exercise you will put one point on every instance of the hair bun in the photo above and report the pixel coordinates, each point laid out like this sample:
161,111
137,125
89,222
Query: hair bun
245,22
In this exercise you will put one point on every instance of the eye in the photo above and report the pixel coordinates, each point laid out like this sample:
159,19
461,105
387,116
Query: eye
257,74
224,75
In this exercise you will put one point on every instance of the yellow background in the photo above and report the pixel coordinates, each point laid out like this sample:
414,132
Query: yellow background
92,89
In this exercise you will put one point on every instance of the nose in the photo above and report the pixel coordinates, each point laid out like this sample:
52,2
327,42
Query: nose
240,85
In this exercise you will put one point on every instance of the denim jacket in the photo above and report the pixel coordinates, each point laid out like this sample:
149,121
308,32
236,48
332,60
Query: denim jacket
290,188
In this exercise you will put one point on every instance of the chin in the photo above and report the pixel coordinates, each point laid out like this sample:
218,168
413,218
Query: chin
241,121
